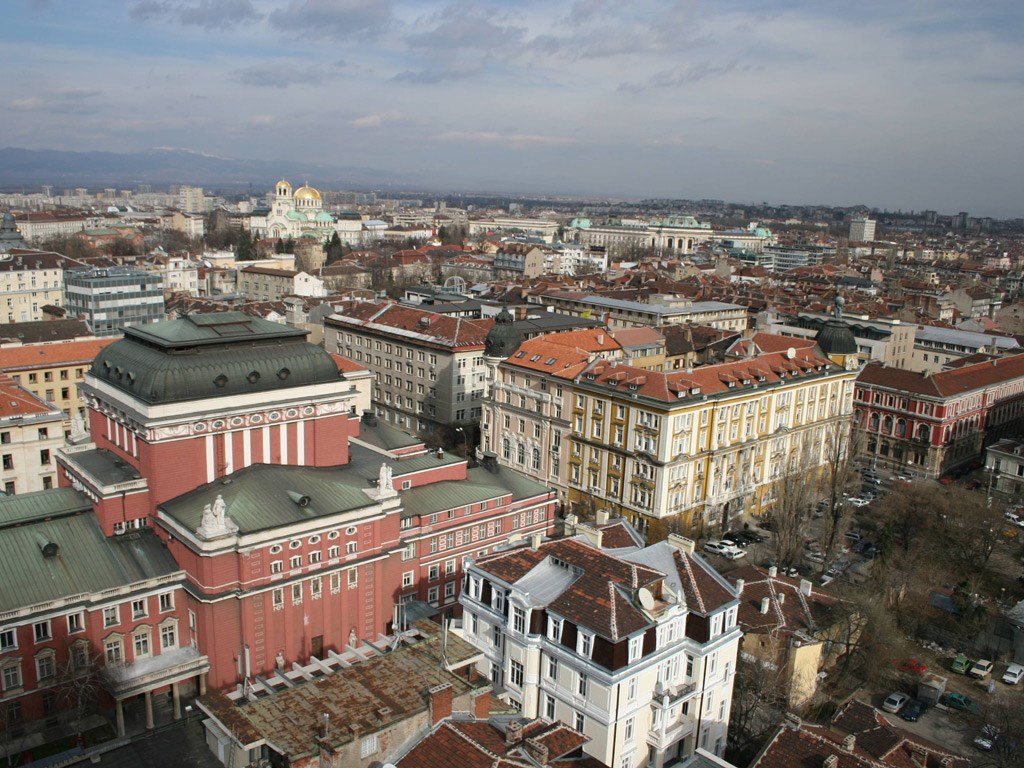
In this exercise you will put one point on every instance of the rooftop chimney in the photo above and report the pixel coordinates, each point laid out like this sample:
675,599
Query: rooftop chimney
513,732
490,462
682,543
773,572
535,540
832,761
537,750
739,586
601,516
793,721
849,742
440,702
781,597
805,587
765,602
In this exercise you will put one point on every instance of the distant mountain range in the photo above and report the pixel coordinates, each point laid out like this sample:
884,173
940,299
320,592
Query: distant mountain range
167,165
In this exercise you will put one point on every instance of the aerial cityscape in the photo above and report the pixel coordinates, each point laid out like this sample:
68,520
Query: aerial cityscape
395,384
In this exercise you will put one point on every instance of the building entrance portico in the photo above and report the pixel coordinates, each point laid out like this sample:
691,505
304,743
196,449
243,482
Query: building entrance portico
177,670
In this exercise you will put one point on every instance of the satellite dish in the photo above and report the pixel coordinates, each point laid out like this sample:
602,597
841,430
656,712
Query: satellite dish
646,598
790,353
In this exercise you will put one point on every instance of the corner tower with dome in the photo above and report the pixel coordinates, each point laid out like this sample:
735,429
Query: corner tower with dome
300,213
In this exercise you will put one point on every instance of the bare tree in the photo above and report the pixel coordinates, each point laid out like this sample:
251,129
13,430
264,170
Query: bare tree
12,733
758,705
795,491
839,476
1003,723
78,682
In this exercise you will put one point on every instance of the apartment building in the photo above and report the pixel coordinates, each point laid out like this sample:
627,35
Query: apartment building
619,313
267,284
31,431
429,368
705,445
29,281
526,418
53,371
636,650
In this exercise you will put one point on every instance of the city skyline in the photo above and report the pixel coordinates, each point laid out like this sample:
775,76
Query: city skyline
901,105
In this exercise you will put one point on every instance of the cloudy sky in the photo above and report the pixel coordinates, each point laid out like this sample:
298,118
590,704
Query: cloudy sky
902,103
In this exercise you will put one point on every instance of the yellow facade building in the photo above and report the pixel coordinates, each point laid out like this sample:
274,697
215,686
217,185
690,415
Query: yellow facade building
704,446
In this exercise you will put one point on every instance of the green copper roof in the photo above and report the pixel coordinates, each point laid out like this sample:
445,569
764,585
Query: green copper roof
209,355
57,502
85,560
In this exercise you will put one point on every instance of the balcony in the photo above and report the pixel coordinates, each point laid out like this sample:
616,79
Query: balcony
669,695
663,738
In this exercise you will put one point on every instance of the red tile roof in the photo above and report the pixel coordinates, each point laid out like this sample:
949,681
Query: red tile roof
347,366
796,612
480,744
708,379
428,328
51,355
945,383
809,745
17,401
597,599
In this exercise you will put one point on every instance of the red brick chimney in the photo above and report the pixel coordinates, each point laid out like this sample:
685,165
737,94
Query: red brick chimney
482,705
440,702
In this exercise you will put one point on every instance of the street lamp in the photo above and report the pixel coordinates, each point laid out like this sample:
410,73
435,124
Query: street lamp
465,440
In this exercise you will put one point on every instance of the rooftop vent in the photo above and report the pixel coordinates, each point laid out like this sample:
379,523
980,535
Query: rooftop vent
47,547
300,499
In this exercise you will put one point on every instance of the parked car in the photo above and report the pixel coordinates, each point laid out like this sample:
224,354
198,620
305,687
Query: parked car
1014,519
981,669
857,501
895,701
986,738
724,548
826,579
1013,674
853,536
901,477
914,666
816,557
912,711
959,701
960,664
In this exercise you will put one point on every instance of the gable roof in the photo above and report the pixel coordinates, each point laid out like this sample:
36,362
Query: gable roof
944,383
418,325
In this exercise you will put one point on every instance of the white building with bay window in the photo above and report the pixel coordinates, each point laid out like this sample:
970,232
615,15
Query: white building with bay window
633,646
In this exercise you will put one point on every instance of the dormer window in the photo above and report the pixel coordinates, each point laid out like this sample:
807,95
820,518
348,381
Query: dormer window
555,629
585,644
518,620
636,648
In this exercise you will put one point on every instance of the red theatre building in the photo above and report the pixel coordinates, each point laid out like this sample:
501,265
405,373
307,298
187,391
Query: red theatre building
268,519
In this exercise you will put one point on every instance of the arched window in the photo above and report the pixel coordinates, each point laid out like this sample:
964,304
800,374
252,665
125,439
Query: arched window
536,458
924,432
901,428
506,448
521,453
887,425
874,422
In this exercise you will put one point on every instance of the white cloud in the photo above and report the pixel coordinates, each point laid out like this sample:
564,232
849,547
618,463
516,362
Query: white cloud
378,118
497,137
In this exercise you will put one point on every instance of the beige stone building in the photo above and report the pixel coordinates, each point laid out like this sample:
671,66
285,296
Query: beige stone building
31,431
52,372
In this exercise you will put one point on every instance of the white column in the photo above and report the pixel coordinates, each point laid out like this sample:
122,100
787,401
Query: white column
210,469
300,442
229,453
246,447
